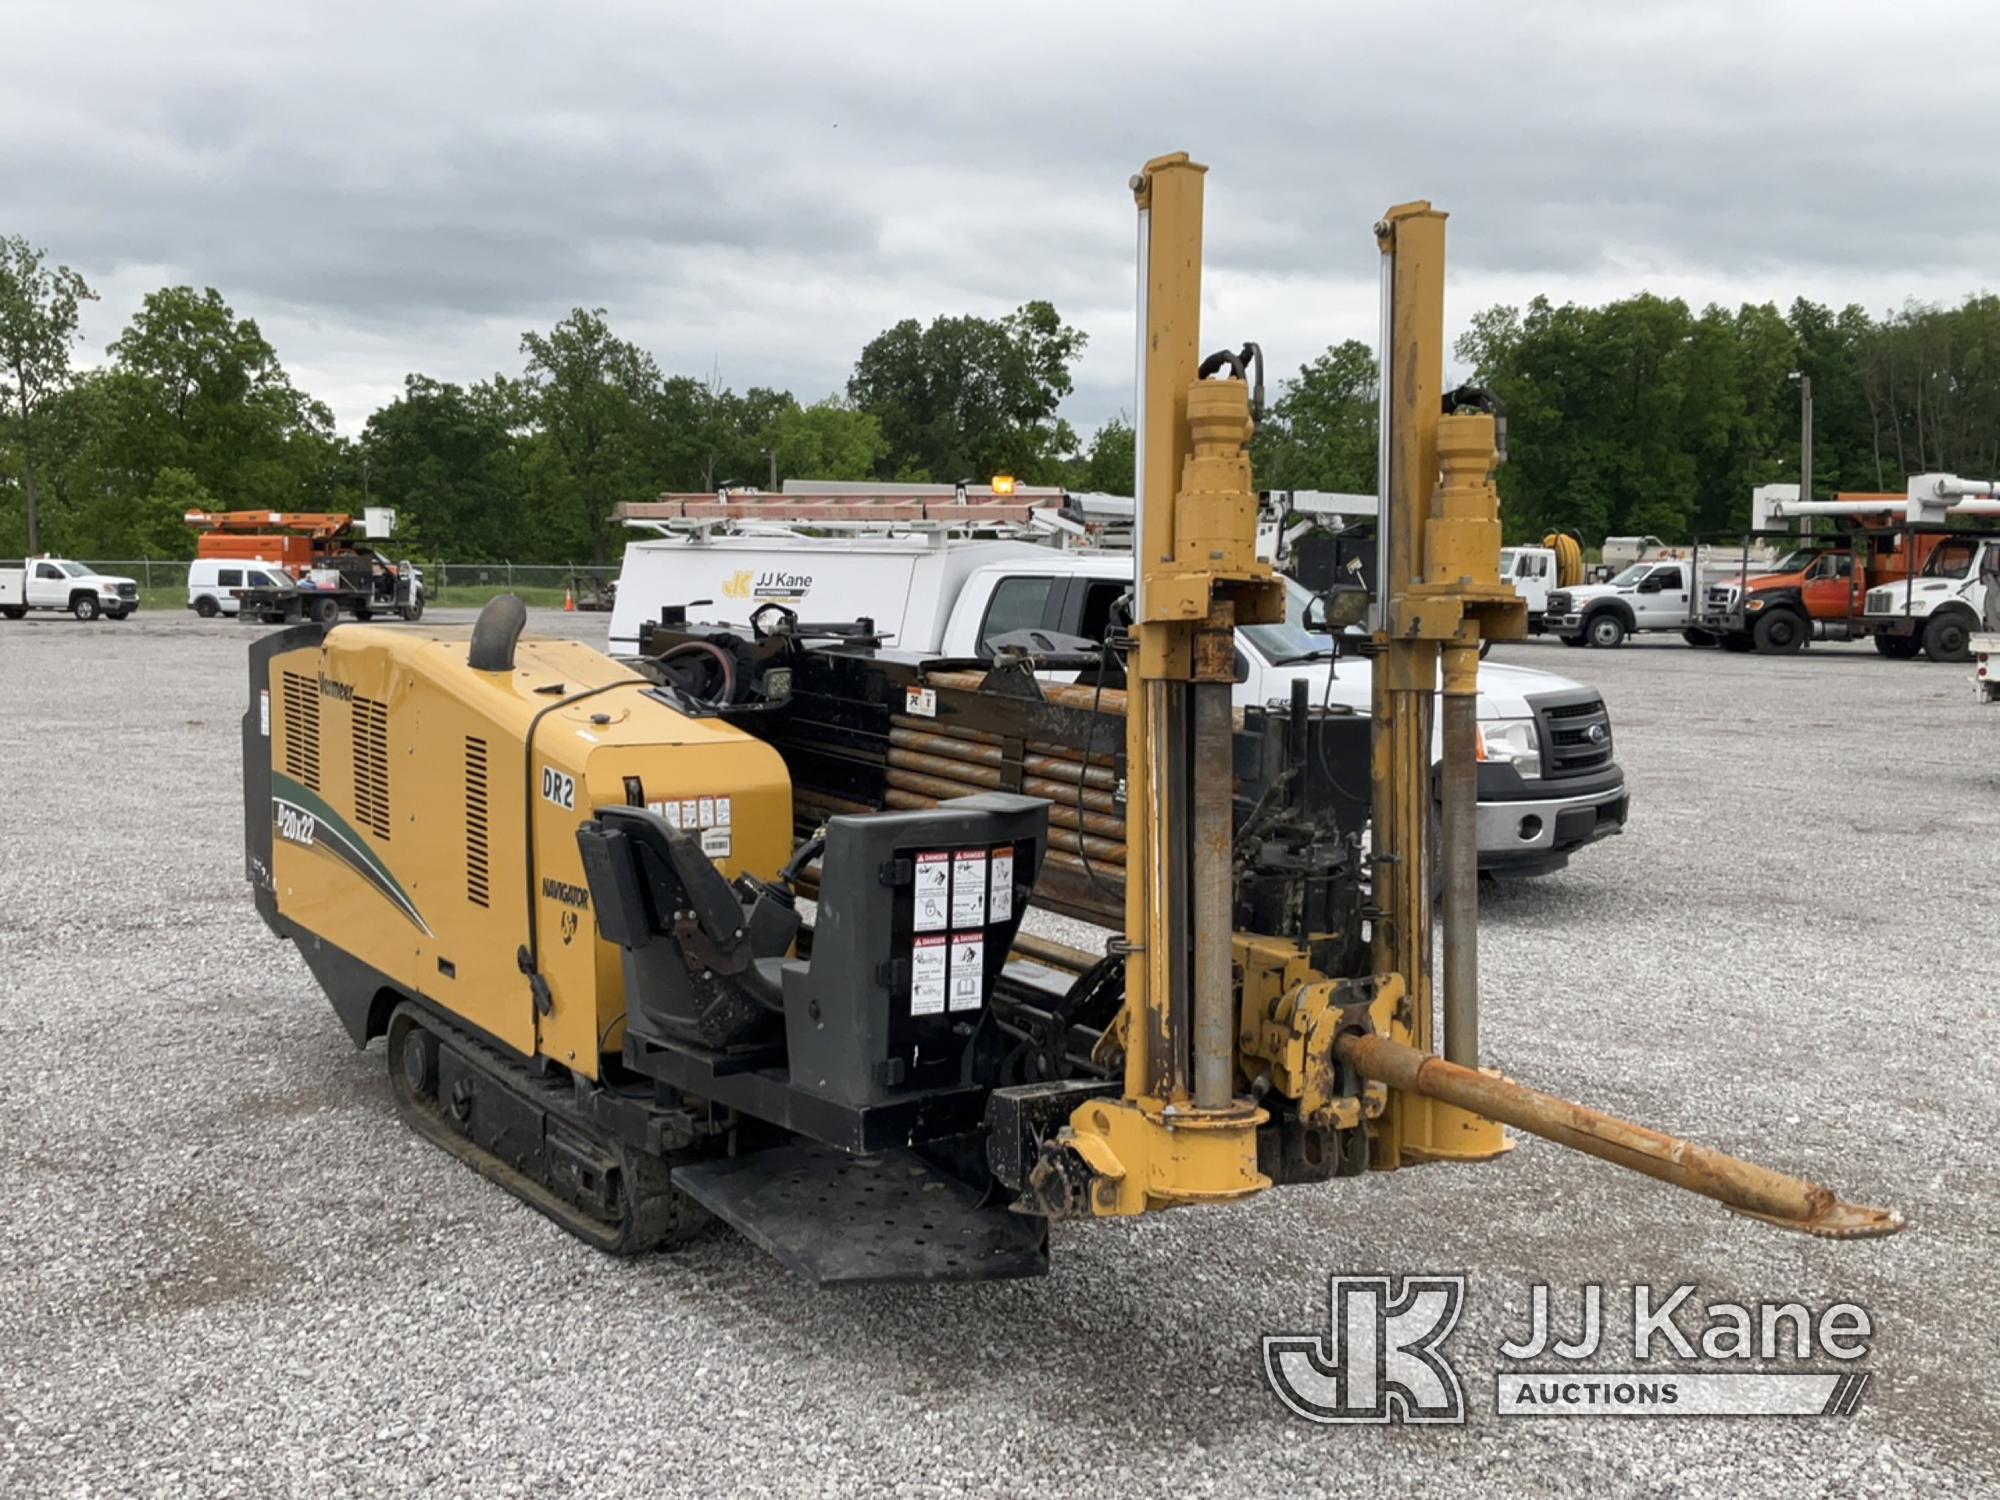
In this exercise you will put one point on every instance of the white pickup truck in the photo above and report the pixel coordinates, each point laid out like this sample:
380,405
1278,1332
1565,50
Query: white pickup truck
1662,594
1548,783
56,583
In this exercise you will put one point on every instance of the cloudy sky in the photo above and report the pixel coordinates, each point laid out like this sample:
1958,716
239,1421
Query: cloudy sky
756,189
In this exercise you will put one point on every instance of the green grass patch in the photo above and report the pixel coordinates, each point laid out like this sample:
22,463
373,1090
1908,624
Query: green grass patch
471,596
173,597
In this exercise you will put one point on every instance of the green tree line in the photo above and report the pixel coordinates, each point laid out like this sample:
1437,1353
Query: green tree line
1638,416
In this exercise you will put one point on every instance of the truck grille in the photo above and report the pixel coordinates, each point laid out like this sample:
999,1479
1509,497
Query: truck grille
128,591
1575,732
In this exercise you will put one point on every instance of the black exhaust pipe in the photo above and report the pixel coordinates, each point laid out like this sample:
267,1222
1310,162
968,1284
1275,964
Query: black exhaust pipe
495,632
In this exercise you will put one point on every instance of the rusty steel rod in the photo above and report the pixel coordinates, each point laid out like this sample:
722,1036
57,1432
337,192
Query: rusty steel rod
1744,1186
1072,796
1062,814
948,767
1101,851
1055,768
1052,954
1109,701
1073,753
1212,913
1037,760
975,751
930,726
942,789
1458,860
1110,875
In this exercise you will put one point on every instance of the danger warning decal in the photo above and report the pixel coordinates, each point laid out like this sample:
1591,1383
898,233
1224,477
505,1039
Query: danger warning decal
968,888
968,970
933,908
928,964
1002,907
957,897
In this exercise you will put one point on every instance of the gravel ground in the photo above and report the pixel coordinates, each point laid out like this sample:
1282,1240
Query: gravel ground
232,1271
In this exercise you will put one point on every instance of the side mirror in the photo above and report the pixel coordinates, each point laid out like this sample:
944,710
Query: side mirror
1650,585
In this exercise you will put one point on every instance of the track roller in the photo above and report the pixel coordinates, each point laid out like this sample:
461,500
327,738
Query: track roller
527,1135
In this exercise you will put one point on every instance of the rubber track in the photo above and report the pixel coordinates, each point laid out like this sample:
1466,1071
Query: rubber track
654,1215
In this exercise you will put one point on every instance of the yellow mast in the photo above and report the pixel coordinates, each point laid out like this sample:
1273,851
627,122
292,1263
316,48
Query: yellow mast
1180,1133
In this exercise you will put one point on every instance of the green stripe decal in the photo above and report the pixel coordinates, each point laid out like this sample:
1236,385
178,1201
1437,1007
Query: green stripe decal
314,825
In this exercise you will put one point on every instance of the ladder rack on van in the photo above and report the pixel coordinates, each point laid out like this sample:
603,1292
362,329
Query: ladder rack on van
1052,516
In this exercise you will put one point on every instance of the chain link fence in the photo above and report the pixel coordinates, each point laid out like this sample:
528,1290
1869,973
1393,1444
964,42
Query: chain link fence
445,583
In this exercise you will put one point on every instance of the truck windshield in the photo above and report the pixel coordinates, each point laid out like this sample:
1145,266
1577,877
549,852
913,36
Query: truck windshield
1631,575
1953,559
79,570
1281,644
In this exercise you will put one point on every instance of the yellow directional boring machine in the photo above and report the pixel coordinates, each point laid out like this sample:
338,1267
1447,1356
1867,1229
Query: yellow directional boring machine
731,929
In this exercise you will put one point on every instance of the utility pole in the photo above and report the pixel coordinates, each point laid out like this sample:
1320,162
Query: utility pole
1805,441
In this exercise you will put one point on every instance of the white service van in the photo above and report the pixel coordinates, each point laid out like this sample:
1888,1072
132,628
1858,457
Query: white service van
1548,783
213,583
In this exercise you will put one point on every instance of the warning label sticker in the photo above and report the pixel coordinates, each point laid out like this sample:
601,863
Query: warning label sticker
1001,908
933,908
694,813
968,970
920,701
968,888
928,962
715,843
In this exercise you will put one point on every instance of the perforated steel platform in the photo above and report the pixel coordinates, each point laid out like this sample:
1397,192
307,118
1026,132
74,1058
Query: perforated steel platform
843,1219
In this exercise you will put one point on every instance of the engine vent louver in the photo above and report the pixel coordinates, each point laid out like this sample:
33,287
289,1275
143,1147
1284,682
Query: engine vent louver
475,821
301,710
371,765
